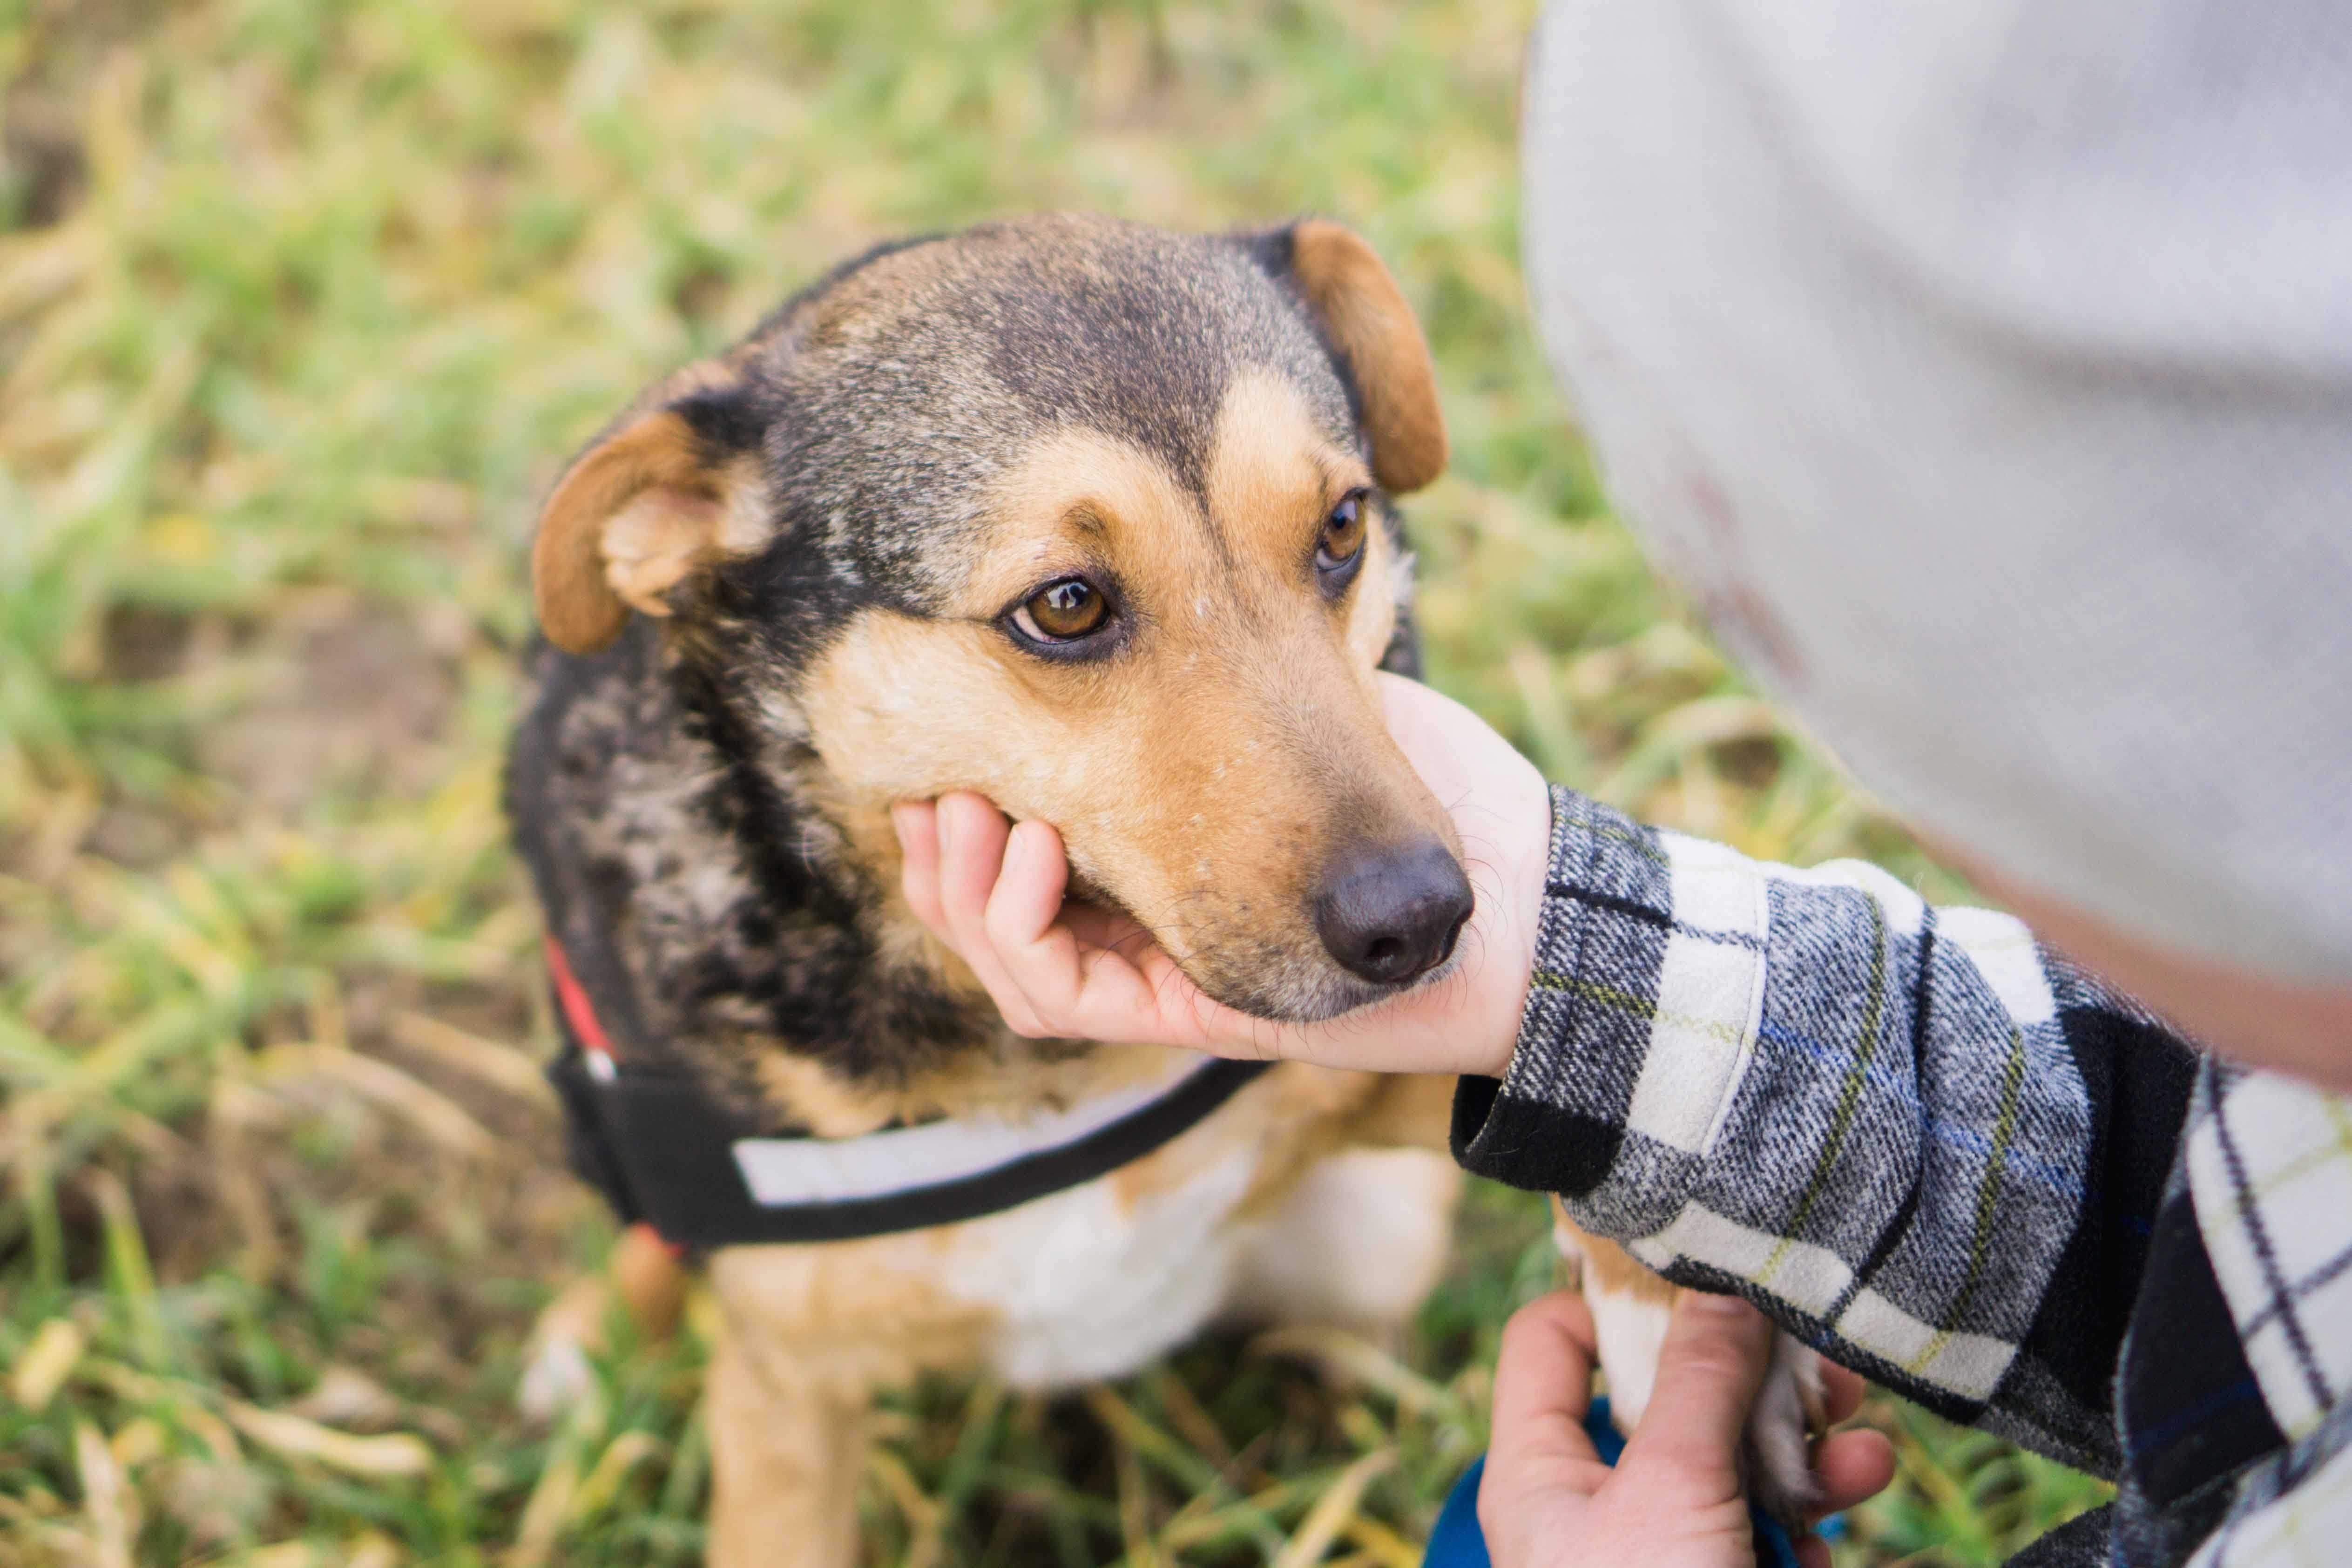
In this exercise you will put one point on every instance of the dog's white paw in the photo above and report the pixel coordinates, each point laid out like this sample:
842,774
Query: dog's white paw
1631,1330
557,1374
557,1378
1630,1311
1790,1412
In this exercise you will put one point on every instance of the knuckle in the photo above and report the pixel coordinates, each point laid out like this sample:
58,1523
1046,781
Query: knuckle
1713,1361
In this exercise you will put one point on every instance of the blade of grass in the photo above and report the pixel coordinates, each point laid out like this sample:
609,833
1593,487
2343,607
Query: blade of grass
130,1281
1332,1512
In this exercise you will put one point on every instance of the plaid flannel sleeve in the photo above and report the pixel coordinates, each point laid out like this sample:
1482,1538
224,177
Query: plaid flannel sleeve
1919,1140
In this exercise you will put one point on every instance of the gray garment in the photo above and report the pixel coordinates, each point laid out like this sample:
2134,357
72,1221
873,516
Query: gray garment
1983,369
1951,1161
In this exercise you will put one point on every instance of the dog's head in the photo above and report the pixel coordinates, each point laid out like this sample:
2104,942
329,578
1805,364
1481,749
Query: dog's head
1088,517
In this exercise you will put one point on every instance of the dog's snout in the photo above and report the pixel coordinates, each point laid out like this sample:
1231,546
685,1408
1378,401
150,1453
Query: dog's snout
1387,914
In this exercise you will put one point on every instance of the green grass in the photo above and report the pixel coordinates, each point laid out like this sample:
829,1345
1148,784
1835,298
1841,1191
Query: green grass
299,309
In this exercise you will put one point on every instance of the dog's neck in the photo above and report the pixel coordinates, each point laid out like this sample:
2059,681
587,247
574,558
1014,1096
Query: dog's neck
689,836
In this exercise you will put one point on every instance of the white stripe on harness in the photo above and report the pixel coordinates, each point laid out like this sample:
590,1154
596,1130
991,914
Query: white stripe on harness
782,1172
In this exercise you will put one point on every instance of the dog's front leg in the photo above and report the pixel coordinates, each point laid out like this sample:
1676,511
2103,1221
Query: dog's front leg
1630,1307
787,1452
647,1282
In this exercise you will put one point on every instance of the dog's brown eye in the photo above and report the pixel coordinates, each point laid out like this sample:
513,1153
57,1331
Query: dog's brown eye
1343,535
1061,611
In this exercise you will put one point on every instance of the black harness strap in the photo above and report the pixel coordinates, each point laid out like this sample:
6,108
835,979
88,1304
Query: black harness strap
664,1153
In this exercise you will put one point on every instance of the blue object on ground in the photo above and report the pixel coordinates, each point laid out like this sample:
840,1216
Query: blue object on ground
1457,1542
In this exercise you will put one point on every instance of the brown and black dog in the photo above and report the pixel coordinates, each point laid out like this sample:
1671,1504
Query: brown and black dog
1091,519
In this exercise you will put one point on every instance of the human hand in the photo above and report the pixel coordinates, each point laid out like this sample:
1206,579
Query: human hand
993,892
1674,1497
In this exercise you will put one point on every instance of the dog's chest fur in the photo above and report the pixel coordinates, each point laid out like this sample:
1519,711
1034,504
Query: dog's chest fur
1096,1280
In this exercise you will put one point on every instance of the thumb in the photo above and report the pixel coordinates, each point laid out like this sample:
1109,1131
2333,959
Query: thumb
1712,1364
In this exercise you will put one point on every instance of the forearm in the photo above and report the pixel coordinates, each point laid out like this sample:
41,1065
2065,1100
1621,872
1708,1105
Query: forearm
1894,1128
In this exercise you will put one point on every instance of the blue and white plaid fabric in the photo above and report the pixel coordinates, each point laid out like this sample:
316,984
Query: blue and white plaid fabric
1952,1161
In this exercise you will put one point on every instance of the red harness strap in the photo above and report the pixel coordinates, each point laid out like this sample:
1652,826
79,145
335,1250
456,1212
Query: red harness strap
577,1010
581,1014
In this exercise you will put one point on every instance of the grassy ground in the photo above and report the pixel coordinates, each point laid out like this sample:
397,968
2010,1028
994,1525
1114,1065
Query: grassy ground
299,308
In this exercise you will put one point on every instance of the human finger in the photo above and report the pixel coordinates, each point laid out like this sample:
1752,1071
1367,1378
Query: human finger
973,835
1040,953
918,824
1543,1386
1852,1467
1134,982
1125,988
1025,902
1099,975
1709,1368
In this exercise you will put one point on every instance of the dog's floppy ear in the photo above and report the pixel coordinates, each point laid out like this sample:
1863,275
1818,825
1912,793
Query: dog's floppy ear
1365,318
670,489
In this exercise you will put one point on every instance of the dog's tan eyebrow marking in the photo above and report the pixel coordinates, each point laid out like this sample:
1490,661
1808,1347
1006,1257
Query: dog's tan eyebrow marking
1079,500
1274,470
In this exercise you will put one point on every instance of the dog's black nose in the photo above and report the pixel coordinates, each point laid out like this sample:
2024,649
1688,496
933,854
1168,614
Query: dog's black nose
1387,914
